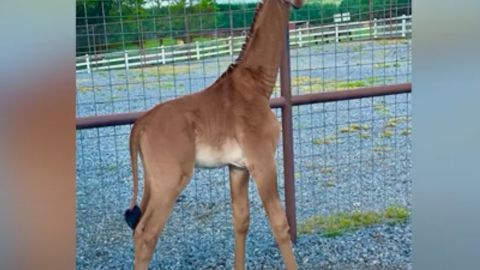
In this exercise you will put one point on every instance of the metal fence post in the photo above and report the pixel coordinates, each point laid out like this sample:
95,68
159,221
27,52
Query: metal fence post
374,28
87,60
287,137
404,25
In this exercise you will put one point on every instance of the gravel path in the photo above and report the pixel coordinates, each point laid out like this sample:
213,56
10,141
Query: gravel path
366,169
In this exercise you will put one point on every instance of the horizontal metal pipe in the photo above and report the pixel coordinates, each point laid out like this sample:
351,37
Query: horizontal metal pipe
107,120
352,94
278,102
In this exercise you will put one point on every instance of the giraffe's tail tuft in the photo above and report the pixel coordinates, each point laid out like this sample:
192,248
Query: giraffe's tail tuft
132,216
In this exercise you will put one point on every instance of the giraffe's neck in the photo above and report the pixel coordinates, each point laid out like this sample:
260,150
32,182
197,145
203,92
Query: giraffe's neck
261,53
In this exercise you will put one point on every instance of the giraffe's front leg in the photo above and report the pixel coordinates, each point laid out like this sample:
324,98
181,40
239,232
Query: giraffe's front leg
240,207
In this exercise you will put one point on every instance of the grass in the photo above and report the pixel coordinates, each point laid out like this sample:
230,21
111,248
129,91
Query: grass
149,43
120,87
329,139
202,39
396,213
387,133
381,149
386,65
363,135
351,84
406,132
166,69
373,80
327,170
158,71
150,74
169,41
340,223
381,108
307,84
353,128
84,89
363,31
329,183
378,80
323,169
360,129
393,122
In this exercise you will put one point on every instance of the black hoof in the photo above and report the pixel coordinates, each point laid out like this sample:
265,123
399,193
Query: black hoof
132,216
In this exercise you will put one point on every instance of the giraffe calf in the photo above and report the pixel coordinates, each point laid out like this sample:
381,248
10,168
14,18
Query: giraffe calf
229,123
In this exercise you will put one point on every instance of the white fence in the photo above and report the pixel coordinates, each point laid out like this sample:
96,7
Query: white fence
304,36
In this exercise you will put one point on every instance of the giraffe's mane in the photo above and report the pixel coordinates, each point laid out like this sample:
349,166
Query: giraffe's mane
246,43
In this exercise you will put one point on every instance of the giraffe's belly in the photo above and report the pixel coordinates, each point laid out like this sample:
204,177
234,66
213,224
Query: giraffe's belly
229,153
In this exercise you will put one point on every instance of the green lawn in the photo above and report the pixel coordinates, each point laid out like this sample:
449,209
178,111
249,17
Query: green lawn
339,223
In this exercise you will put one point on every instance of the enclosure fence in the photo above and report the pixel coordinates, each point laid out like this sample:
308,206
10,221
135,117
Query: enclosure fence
399,27
342,97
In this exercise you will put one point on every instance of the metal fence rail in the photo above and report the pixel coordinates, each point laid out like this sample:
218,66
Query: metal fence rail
278,102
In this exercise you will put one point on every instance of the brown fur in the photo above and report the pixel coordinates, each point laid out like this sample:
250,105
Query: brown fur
229,123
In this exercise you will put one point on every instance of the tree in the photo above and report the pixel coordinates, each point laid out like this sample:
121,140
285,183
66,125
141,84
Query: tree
368,9
100,22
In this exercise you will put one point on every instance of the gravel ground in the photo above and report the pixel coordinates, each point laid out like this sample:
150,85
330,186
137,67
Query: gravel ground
373,63
346,173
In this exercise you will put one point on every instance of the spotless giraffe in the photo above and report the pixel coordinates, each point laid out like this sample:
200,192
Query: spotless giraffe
229,123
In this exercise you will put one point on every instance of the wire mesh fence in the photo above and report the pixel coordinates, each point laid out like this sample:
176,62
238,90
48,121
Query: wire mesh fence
353,156
350,156
198,234
126,27
300,37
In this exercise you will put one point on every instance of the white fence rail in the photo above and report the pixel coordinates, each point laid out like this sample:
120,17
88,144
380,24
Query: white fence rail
382,28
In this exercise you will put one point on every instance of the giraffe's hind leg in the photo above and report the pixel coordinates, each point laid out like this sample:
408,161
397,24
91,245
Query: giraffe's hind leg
168,154
156,214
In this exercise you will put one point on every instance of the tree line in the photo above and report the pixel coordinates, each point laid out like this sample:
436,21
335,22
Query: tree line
110,25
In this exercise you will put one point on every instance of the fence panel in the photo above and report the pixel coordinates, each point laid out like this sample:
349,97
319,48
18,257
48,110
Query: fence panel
349,156
198,235
398,27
